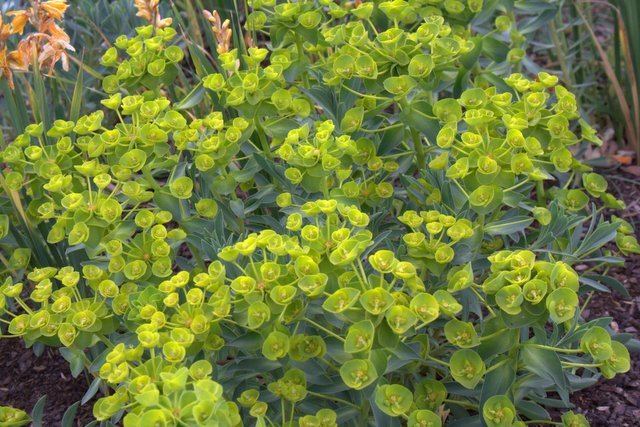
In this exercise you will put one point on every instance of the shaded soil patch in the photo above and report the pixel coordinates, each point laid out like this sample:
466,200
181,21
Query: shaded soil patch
25,378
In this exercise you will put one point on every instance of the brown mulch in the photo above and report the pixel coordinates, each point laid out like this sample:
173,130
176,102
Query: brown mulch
25,378
616,402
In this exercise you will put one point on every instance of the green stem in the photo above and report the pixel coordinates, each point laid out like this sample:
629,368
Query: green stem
462,403
333,399
301,55
441,362
540,195
293,411
560,49
266,149
557,349
518,185
106,341
580,365
322,328
494,334
497,365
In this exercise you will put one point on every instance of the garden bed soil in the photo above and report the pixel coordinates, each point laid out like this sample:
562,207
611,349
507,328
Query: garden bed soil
26,378
614,402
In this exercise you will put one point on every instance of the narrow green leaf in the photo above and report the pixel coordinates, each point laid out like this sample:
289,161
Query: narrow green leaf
610,283
192,99
70,415
508,226
91,391
498,381
76,100
37,413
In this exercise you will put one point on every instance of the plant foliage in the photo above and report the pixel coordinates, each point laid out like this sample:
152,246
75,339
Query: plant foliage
361,213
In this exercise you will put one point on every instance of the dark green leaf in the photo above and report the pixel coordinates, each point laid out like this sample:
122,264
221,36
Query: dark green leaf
70,415
508,225
545,364
37,413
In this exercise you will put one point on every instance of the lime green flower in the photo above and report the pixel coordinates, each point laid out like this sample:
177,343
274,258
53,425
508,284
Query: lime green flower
467,368
429,394
358,373
393,399
562,304
498,411
275,345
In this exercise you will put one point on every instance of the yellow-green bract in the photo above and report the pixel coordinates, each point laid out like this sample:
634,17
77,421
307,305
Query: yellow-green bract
378,222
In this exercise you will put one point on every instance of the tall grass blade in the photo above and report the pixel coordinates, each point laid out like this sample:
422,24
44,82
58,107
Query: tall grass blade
40,104
76,101
15,106
628,22
631,127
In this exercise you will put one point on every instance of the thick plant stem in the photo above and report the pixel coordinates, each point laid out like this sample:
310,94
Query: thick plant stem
300,48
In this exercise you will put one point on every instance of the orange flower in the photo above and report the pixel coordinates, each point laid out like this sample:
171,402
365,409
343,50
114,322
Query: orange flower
163,22
55,8
20,19
9,62
220,29
148,10
5,70
45,47
5,30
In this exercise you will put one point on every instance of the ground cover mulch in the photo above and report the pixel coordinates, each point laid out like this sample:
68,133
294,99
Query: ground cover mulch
616,402
24,378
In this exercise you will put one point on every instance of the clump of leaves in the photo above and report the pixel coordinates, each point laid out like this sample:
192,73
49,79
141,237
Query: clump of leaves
369,228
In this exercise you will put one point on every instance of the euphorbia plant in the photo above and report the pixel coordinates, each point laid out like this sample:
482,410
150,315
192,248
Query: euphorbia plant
370,227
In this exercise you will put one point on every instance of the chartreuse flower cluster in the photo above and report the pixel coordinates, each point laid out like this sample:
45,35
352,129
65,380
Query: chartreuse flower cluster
150,60
341,240
321,161
286,287
420,39
434,236
60,315
491,144
93,185
160,391
13,417
258,91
